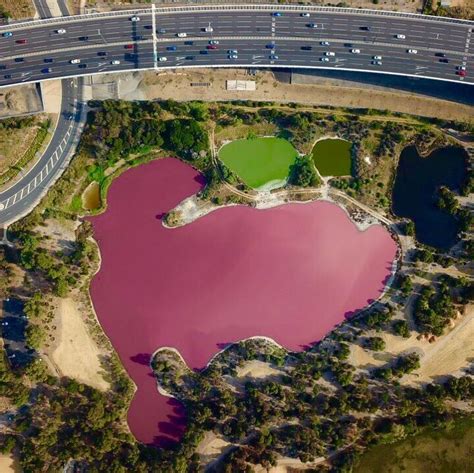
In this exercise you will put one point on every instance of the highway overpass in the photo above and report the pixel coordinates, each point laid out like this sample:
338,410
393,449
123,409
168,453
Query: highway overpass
247,36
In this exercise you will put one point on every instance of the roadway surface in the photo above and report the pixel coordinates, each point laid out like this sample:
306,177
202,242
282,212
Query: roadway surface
20,198
98,39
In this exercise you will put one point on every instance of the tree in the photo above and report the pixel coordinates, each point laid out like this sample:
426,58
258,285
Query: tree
303,173
400,327
375,344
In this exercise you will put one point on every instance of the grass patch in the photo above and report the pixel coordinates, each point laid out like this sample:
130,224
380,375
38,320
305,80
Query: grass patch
333,157
259,161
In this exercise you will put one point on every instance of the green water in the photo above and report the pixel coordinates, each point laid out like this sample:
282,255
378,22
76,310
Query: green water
259,162
332,157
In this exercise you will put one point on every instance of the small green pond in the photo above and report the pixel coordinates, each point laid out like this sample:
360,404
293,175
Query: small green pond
259,162
332,157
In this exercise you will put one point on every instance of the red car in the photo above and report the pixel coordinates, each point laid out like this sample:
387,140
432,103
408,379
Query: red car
128,46
461,73
21,41
211,46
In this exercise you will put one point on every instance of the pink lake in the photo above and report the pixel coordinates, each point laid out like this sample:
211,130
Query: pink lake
290,273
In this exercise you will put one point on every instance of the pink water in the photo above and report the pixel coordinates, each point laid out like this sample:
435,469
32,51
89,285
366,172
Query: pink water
290,273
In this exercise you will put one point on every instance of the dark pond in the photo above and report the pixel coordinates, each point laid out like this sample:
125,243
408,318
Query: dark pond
415,192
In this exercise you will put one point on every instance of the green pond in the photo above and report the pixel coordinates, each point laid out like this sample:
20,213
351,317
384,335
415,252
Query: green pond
332,157
259,162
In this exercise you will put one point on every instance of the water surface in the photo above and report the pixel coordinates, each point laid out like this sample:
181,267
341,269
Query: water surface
290,273
332,157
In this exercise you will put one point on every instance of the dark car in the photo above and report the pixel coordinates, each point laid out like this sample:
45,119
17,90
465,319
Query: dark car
19,59
204,51
128,46
190,58
46,70
365,28
444,59
306,48
82,66
102,53
83,38
270,46
7,76
130,57
440,54
211,46
2,67
171,48
189,43
161,31
48,60
348,45
21,41
148,27
138,37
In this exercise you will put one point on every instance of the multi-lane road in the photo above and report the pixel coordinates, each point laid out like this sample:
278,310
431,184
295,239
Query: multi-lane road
255,35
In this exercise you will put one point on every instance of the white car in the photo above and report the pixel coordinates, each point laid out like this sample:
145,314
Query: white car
377,63
213,41
355,51
75,61
461,68
377,58
305,15
115,62
329,53
324,43
324,59
400,36
135,18
209,29
312,25
233,56
181,35
273,57
162,59
412,51
232,51
61,31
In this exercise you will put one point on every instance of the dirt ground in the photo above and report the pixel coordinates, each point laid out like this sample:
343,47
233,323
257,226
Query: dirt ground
8,464
19,100
176,85
76,354
18,9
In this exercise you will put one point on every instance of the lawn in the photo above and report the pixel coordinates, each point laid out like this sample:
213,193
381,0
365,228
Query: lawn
332,157
434,451
259,162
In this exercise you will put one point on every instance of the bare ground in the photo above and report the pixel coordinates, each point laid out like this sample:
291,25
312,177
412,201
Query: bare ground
9,464
176,85
19,9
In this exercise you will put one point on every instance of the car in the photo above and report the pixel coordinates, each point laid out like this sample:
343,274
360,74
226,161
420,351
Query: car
366,28
162,59
115,62
305,15
48,59
377,63
324,59
461,73
61,31
128,46
232,51
181,35
444,60
306,48
400,36
83,66
273,57
211,46
355,51
312,25
46,70
191,58
377,58
329,53
75,61
19,59
213,41
348,45
2,67
412,51
270,46
461,68
138,37
204,51
83,38
21,41
135,18
161,31
189,43
440,54
7,76
102,53
7,34
208,29
148,27
324,43
277,13
233,56
171,48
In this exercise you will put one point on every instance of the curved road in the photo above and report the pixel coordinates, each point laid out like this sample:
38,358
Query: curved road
112,42
19,199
